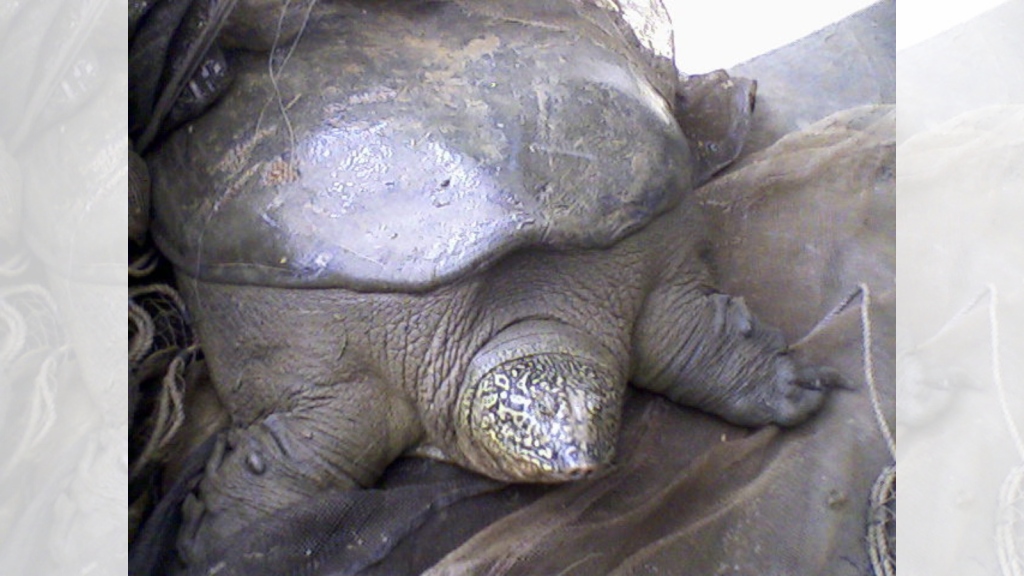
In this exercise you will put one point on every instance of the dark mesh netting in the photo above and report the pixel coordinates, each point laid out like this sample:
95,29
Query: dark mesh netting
804,216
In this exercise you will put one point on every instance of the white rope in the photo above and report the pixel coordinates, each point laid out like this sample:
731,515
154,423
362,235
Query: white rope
867,343
881,548
869,369
827,318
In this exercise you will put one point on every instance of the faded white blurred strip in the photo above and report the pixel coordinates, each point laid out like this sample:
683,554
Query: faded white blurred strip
920,20
63,287
960,327
713,34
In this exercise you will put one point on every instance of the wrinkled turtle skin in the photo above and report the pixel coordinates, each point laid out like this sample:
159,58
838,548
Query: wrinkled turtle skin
472,231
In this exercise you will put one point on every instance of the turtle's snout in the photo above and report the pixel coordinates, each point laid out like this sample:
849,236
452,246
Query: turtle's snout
583,463
533,410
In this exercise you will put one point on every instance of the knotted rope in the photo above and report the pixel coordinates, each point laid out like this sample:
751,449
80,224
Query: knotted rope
882,523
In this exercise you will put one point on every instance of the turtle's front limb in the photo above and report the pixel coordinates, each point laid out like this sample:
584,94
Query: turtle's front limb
310,409
342,438
705,349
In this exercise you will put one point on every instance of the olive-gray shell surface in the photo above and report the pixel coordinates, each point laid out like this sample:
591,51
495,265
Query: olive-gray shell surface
400,145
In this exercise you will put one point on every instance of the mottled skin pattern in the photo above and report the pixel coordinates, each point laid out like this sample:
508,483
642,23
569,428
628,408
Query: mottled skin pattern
547,413
326,387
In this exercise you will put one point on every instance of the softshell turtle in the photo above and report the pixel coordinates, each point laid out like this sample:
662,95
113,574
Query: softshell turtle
453,227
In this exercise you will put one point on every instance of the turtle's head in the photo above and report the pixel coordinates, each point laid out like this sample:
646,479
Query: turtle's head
541,403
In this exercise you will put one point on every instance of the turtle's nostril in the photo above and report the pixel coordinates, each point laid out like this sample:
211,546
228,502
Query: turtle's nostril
581,473
577,464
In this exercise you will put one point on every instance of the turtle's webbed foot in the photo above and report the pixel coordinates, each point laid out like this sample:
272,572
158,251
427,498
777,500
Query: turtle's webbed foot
192,538
713,354
252,472
219,508
289,456
798,393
